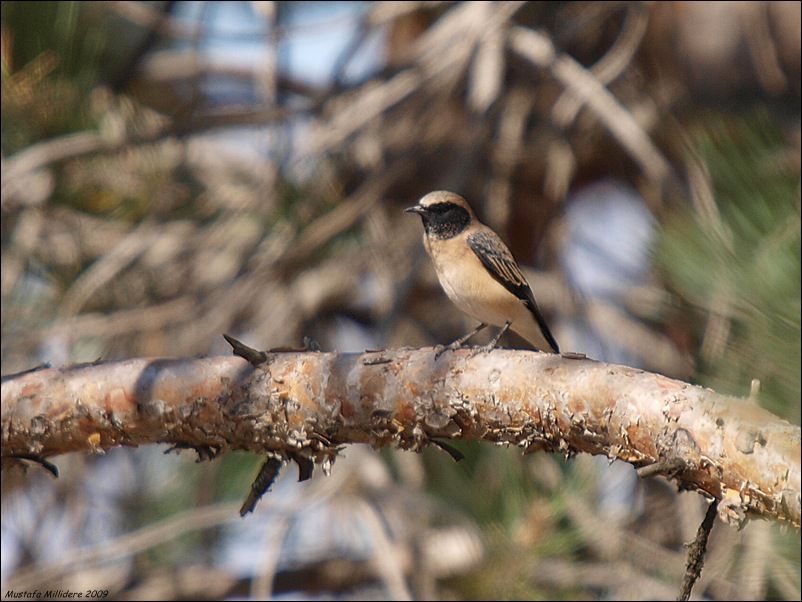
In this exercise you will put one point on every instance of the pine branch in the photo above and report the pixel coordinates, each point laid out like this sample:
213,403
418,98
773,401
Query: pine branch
307,404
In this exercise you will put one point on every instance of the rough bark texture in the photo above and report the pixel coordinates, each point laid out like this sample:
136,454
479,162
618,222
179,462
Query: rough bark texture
307,404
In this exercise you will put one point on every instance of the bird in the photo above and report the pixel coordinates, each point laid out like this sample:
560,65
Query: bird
478,272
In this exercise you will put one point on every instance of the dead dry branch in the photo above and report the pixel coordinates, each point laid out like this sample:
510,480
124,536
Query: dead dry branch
309,404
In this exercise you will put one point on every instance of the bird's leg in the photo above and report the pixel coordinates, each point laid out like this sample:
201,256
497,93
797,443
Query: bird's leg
492,344
458,343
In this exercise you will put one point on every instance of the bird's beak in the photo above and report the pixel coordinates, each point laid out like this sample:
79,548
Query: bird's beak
415,209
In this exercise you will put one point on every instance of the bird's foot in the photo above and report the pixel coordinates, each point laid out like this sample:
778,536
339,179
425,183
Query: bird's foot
482,349
492,344
441,349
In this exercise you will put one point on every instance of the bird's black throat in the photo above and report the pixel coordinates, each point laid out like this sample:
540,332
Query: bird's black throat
445,220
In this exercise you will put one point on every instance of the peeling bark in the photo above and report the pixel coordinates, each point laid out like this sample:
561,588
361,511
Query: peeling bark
308,404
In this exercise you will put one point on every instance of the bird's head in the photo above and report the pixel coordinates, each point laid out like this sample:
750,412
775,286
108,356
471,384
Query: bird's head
444,214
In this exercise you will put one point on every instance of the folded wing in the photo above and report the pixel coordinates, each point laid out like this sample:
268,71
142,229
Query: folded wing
499,262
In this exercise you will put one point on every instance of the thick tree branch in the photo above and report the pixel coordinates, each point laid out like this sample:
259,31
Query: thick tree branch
307,404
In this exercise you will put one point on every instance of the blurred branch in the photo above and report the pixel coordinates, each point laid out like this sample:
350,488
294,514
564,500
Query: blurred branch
117,323
318,571
56,150
537,48
136,242
343,216
762,45
17,168
127,545
436,61
146,15
175,65
383,13
310,403
611,65
157,20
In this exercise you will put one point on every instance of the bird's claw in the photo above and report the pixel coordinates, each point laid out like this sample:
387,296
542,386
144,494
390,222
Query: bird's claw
441,349
482,349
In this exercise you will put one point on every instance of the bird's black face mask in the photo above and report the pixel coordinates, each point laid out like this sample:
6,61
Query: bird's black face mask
443,220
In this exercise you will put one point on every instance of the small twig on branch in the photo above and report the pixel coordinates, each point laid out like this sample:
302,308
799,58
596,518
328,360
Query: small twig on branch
696,552
455,454
205,453
48,466
253,356
264,479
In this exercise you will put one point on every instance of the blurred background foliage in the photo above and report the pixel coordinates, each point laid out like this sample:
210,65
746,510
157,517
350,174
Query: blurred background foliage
175,170
746,253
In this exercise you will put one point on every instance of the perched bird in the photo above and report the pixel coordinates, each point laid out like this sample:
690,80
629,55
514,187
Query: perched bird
478,272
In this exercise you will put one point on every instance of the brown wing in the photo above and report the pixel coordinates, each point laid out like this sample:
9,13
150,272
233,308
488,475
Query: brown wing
500,263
